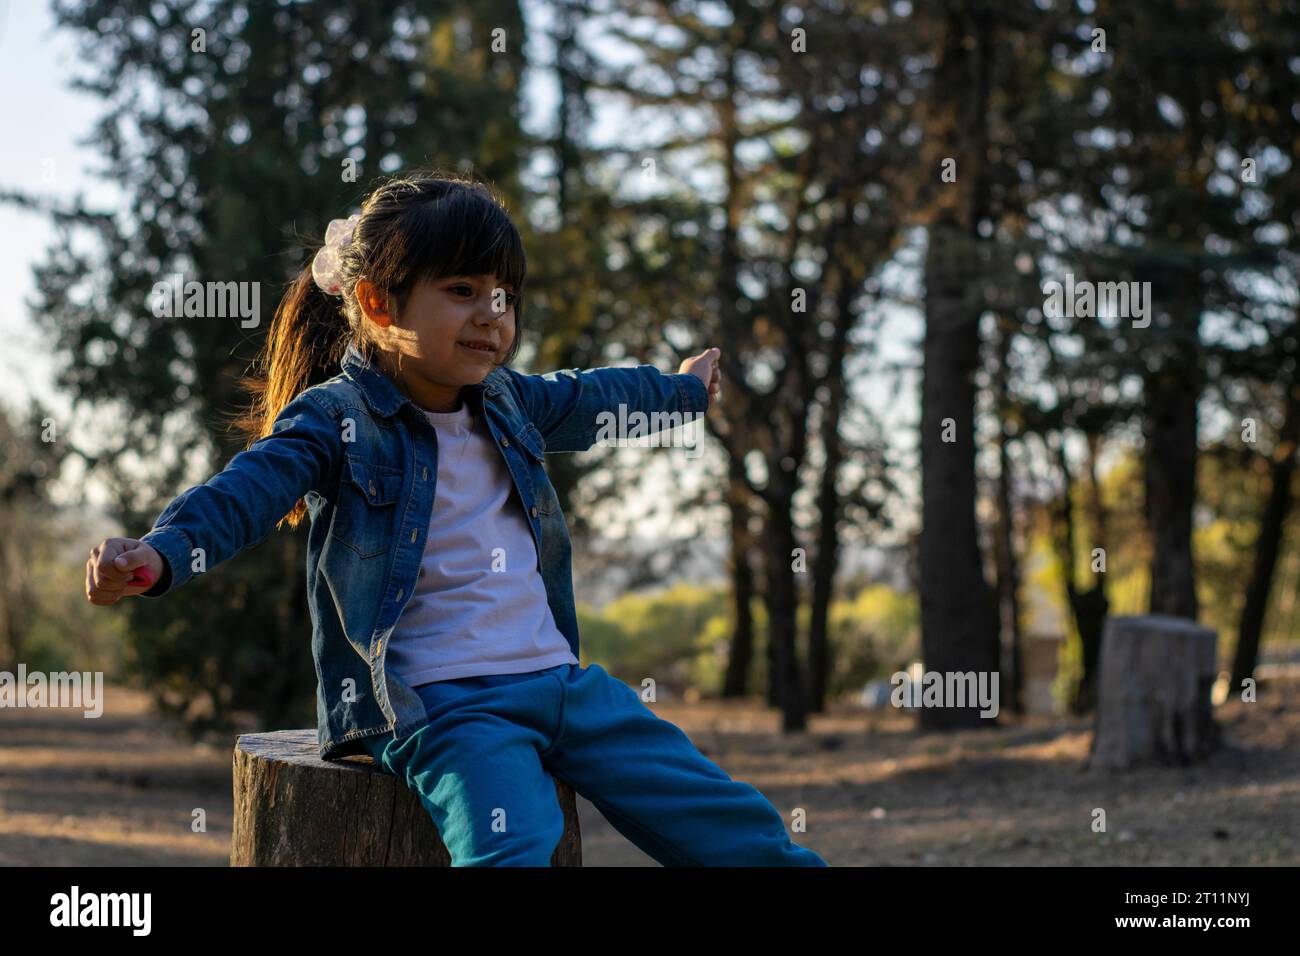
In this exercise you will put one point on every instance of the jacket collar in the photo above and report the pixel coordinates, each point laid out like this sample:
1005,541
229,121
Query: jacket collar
383,396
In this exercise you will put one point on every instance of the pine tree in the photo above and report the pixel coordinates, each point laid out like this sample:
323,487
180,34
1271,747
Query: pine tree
235,131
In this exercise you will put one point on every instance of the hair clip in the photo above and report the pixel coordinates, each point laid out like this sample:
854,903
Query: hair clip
326,267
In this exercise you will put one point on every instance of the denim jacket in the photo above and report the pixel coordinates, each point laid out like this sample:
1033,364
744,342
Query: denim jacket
365,459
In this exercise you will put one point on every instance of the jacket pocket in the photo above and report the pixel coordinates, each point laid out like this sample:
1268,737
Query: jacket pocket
366,508
543,491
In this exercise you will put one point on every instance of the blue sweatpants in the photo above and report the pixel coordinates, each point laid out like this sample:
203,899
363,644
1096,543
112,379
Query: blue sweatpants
481,766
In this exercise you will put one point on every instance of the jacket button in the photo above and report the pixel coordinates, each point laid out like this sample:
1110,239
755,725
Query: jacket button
426,472
400,592
534,511
505,443
413,532
372,489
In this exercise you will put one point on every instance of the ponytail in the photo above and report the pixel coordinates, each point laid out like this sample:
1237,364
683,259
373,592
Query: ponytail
303,348
409,228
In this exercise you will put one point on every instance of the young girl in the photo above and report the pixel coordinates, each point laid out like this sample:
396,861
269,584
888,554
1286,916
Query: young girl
443,624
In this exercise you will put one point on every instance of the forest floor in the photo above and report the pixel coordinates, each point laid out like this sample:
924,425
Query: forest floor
123,789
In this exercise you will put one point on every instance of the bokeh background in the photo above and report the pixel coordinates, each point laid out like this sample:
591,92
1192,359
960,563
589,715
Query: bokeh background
916,461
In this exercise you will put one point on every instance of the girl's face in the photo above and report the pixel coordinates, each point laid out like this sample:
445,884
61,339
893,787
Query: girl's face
430,349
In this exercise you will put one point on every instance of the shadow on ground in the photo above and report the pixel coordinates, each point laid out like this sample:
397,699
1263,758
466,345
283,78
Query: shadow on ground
127,787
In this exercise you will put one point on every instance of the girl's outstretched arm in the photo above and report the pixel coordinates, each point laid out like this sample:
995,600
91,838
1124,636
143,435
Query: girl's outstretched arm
567,405
240,507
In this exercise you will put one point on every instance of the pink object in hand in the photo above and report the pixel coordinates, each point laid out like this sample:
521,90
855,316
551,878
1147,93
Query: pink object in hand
143,577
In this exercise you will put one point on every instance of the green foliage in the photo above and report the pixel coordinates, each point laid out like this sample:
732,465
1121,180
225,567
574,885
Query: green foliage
1231,489
66,634
665,635
681,637
873,636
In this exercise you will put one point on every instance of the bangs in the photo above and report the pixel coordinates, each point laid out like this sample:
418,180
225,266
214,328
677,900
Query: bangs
463,233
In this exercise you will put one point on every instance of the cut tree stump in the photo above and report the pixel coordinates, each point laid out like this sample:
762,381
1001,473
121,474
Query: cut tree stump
1153,703
294,809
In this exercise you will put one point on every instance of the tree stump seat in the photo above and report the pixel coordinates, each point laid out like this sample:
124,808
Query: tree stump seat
294,809
1154,693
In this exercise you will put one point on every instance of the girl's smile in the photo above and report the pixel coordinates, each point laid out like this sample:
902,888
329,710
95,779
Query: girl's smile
482,348
449,333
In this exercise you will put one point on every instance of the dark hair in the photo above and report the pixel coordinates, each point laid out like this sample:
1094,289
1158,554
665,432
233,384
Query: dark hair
414,227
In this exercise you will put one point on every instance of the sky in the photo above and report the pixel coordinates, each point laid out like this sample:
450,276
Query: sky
40,122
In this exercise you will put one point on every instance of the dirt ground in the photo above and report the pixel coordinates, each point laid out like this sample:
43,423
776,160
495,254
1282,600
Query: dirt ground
123,789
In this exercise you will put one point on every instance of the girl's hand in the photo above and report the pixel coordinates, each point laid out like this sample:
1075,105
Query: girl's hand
113,563
705,367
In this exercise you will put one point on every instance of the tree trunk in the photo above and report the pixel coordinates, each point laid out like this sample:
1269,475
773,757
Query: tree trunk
1170,428
1004,550
741,406
1269,542
828,508
741,655
958,619
819,645
294,809
782,610
1008,589
1267,546
1091,607
1154,695
959,631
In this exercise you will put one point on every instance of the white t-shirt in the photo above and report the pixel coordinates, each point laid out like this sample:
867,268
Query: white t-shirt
479,605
